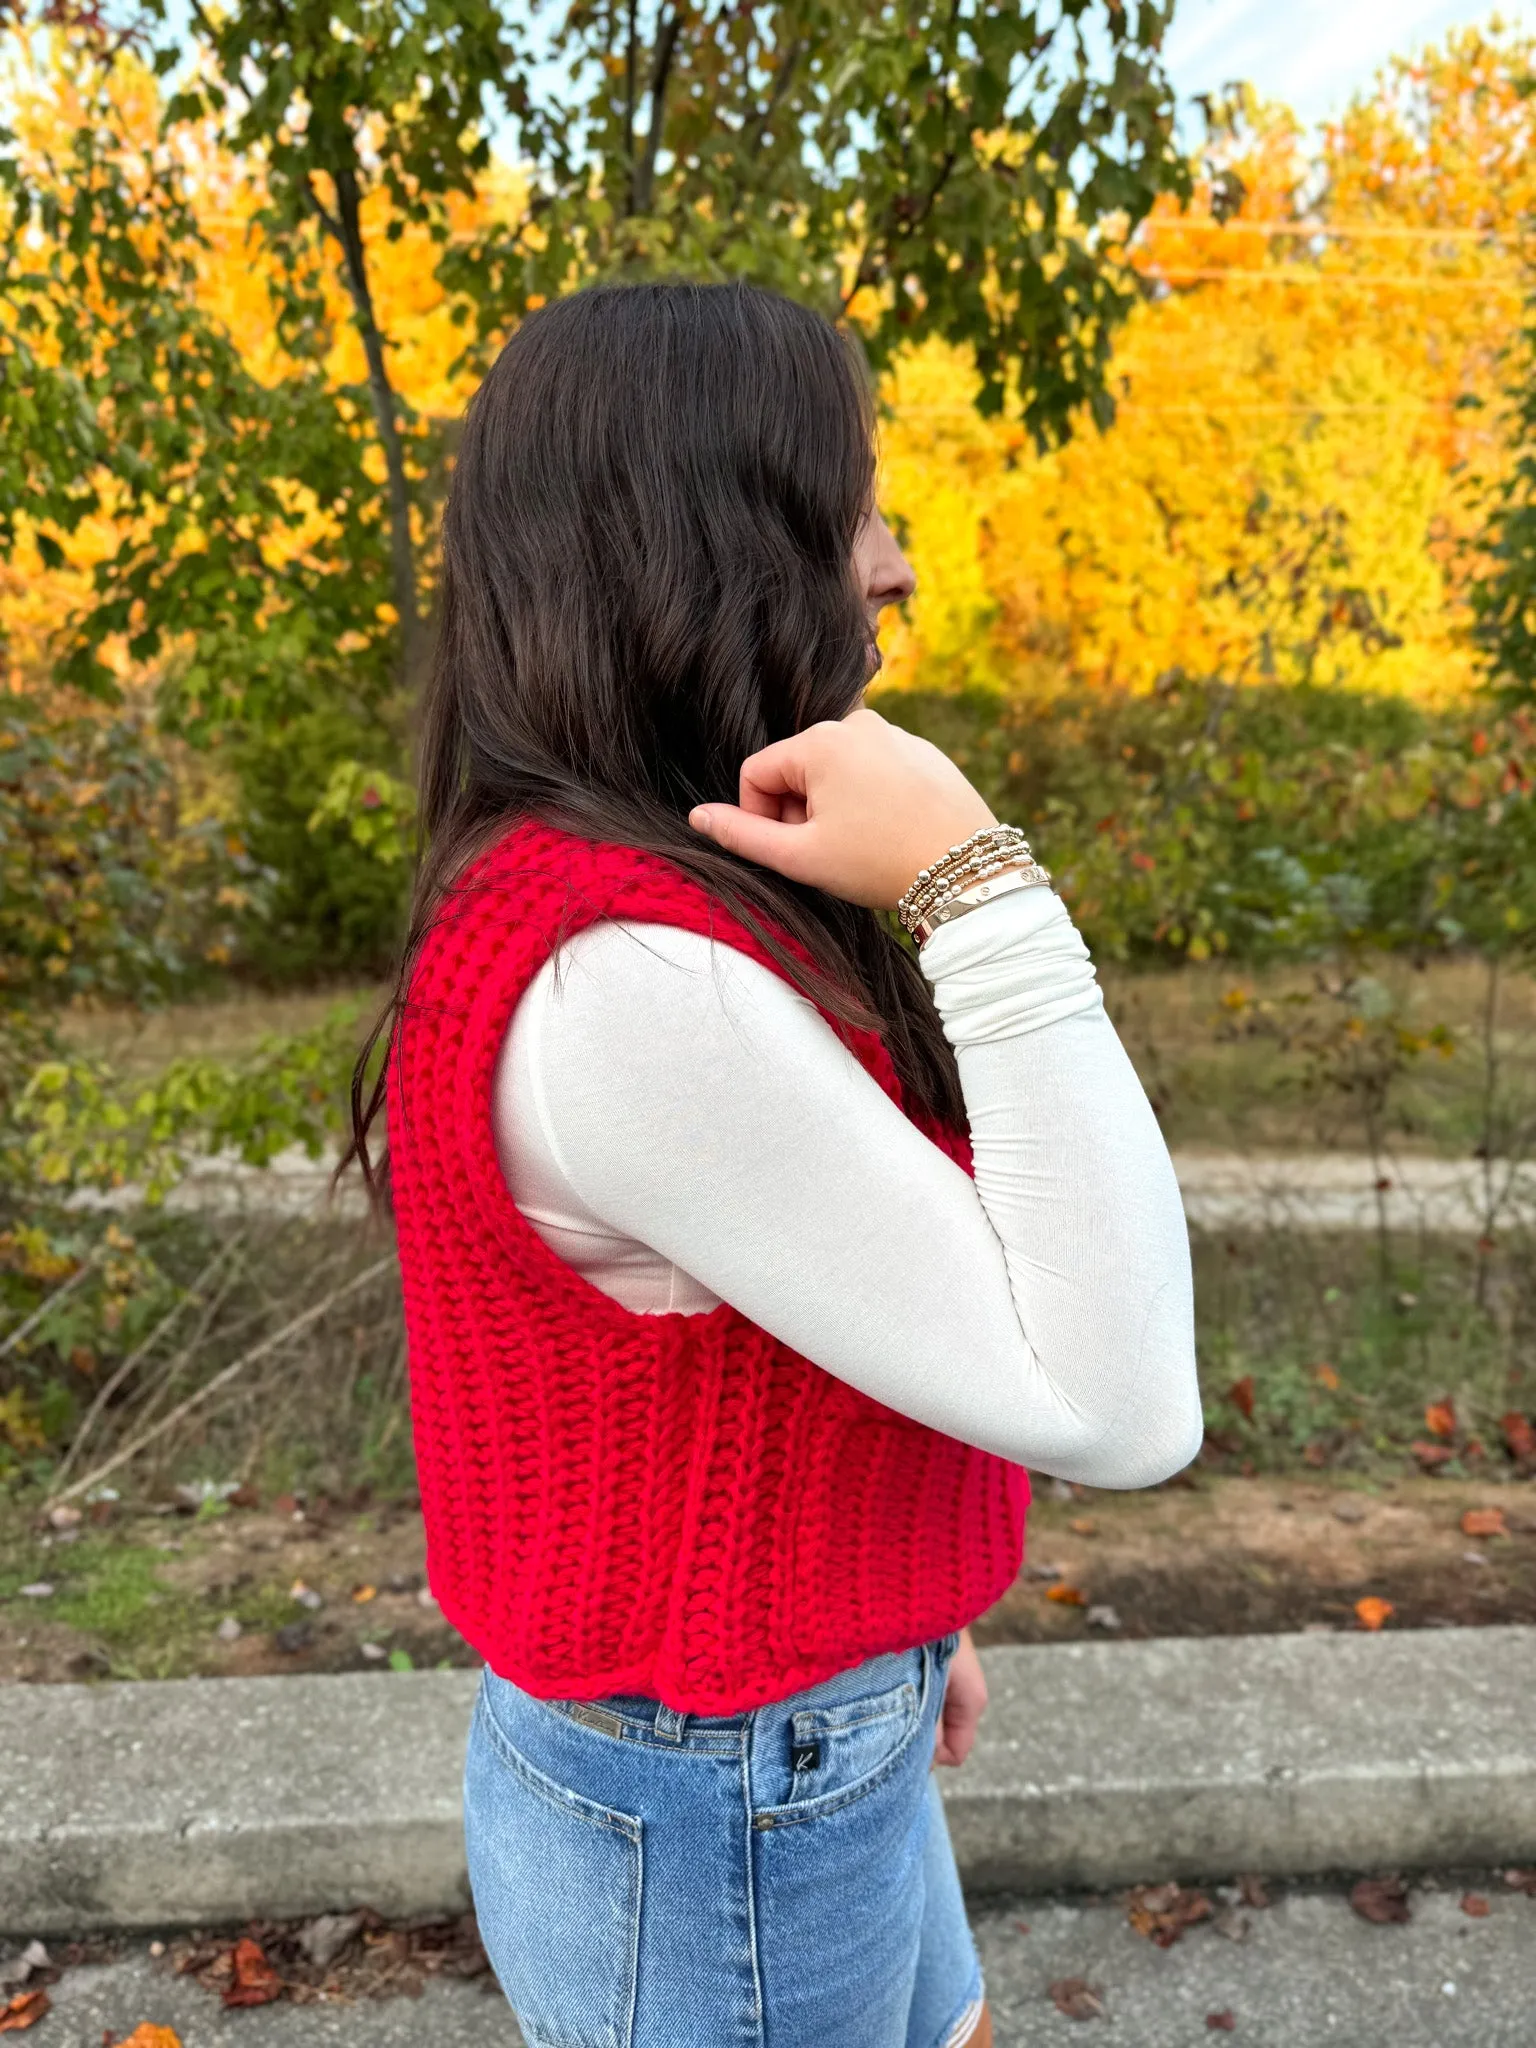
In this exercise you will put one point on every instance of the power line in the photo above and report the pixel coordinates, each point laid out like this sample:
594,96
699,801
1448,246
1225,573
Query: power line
1348,281
1342,231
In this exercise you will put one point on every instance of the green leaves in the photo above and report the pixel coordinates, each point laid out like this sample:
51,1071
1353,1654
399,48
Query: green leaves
1261,822
965,169
1504,595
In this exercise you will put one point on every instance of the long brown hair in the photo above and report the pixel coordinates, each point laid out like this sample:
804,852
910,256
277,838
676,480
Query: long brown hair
646,577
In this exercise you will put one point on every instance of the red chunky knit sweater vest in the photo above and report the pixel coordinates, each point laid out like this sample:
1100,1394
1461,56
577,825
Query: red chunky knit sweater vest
675,1505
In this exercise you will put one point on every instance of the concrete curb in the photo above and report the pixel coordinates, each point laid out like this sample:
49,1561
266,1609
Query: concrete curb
152,1805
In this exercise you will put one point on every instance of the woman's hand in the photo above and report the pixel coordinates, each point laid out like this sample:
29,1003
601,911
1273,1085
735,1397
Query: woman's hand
853,806
965,1701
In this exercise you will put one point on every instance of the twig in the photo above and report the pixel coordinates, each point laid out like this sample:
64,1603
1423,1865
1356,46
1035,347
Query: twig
76,1279
141,1351
222,1379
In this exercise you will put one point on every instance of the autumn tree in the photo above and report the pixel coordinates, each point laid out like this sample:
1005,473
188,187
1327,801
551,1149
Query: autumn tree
966,170
1504,594
1304,398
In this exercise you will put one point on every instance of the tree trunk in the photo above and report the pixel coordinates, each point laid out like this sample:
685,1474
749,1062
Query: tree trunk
348,229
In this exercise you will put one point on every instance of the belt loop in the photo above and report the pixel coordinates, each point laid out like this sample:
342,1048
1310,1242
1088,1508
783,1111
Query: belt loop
670,1724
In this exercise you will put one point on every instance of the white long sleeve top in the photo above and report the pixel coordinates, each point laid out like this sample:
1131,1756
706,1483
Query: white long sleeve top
683,1127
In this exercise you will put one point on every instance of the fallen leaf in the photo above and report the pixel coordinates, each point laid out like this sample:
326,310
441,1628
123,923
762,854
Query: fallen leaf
1372,1612
1224,2022
1519,1436
361,1594
1103,1617
147,2036
285,1504
1076,1997
33,1958
1326,1376
1383,1900
327,1935
1253,1892
1431,1455
1240,1394
254,1981
1232,1925
1067,1596
245,1497
1084,1525
1440,1418
1161,1912
1475,1906
24,2010
1483,1522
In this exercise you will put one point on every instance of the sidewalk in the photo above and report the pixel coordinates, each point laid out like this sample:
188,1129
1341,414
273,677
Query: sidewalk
1222,1190
1308,1973
1099,1764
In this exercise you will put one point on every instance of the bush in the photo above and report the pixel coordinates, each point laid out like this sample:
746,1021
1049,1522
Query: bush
1270,822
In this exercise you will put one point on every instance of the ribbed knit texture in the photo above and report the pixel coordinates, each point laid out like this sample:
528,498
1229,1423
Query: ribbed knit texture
675,1505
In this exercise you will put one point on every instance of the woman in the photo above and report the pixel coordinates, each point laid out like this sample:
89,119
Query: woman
725,1369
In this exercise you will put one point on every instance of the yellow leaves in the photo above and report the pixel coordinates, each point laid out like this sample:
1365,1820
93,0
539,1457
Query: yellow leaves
1283,491
20,1424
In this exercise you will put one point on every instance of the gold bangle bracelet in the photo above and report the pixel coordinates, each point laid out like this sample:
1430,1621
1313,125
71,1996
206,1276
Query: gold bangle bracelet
1028,876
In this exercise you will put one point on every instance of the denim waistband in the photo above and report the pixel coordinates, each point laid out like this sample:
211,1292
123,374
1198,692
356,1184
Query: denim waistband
640,1718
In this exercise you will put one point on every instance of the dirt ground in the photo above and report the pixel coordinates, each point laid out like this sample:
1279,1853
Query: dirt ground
304,1586
1235,1556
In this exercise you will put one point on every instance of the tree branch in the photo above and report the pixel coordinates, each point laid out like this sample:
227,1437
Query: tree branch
345,226
631,63
661,70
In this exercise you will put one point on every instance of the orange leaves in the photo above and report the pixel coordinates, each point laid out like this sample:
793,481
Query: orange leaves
253,1981
1440,1418
1484,1522
1240,1394
1373,1612
1067,1596
24,2010
148,2036
1475,1906
1519,1437
1327,1377
1161,1912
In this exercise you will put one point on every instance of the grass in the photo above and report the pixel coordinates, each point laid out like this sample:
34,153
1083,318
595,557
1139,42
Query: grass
1342,1354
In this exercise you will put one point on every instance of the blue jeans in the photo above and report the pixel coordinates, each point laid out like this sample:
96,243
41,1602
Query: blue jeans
775,1879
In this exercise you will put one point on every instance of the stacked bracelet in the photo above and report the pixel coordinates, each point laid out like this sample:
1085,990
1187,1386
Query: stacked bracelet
968,874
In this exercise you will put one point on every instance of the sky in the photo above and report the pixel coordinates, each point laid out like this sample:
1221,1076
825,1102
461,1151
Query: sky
1312,54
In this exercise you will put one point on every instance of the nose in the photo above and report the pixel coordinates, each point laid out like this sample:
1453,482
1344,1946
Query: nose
890,578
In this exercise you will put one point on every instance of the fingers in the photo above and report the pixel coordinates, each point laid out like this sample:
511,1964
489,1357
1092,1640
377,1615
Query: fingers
775,771
768,841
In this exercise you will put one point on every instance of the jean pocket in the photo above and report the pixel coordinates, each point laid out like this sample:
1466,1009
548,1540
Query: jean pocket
556,1881
839,1752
